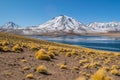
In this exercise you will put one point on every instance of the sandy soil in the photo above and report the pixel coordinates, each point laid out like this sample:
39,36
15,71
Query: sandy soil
81,62
11,67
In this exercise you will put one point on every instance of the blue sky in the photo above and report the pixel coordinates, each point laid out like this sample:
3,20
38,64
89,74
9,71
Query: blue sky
35,12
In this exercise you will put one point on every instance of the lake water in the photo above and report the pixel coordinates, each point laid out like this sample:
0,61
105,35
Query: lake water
95,42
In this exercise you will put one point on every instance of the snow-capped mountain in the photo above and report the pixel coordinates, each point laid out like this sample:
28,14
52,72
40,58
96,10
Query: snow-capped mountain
60,25
10,25
104,27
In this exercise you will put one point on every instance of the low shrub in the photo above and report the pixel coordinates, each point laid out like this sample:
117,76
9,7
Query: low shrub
30,76
33,46
5,48
115,72
114,67
26,68
101,74
75,68
83,61
42,69
74,52
63,66
81,78
17,48
23,60
42,55
68,54
51,54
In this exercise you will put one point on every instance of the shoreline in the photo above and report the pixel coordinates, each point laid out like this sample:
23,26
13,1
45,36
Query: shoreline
117,35
99,34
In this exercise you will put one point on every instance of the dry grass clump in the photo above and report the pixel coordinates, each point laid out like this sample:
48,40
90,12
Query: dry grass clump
83,61
5,48
23,60
68,54
115,72
106,68
42,55
17,48
26,68
53,51
50,48
94,65
114,67
51,54
107,61
86,65
62,66
23,44
117,54
74,52
75,67
81,78
33,46
101,74
4,43
42,69
30,76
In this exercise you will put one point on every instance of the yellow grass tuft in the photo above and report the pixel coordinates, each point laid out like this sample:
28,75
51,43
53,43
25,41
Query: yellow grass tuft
101,74
81,78
23,60
63,66
74,52
5,48
33,46
42,69
75,68
114,67
30,76
83,61
42,55
68,54
115,72
26,68
51,54
17,48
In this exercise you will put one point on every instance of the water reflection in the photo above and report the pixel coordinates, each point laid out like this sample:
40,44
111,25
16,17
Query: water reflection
96,42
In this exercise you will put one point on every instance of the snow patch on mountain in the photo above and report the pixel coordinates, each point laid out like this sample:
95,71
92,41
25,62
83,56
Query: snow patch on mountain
104,27
61,24
10,25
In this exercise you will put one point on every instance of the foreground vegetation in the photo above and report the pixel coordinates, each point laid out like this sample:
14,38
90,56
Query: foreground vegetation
23,58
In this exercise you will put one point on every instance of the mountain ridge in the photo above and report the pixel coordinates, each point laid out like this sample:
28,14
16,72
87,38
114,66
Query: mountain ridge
62,25
10,25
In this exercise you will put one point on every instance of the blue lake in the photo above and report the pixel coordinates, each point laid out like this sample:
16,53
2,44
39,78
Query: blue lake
95,42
